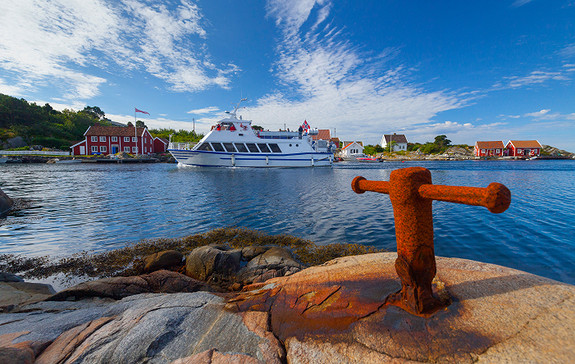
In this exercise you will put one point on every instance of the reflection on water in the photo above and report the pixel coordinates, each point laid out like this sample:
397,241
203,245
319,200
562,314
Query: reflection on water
99,207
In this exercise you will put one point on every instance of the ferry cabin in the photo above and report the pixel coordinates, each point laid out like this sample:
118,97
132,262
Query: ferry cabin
489,149
523,148
103,139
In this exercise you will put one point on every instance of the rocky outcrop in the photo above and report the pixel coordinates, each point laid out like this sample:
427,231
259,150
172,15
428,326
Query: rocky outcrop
151,328
337,313
13,293
163,260
161,281
6,203
229,268
331,313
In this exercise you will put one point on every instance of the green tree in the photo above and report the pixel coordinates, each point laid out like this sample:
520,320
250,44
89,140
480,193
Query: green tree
140,124
442,142
95,112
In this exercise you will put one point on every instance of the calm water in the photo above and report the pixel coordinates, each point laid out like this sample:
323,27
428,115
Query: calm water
99,207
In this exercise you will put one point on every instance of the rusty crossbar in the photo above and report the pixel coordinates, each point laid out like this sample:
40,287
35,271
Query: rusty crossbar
411,193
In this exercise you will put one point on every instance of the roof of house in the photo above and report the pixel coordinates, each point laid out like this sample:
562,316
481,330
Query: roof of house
322,134
335,140
350,143
398,138
121,131
165,141
525,143
78,143
489,145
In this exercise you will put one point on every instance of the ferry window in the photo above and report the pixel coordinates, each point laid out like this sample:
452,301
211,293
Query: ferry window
218,147
275,148
229,147
205,146
253,148
264,148
241,147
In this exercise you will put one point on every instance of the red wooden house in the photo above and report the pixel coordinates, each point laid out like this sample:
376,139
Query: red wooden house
160,145
523,148
105,140
489,149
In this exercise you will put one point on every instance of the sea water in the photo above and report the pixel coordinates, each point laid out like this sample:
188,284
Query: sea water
77,207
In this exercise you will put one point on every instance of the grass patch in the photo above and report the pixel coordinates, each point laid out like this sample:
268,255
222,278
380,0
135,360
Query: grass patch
128,260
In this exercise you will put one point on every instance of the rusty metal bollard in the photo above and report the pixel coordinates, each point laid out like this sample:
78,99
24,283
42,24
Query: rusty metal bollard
411,193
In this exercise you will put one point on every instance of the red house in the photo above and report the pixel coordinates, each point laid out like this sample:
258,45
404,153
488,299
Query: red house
489,149
160,145
523,148
105,140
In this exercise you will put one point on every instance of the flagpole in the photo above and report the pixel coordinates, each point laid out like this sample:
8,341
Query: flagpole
135,131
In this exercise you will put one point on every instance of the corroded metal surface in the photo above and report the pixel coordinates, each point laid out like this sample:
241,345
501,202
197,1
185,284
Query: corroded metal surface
412,192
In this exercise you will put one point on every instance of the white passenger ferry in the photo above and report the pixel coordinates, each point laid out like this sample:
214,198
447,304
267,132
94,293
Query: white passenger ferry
233,143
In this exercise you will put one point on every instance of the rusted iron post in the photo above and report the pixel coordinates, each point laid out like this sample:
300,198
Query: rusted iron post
412,192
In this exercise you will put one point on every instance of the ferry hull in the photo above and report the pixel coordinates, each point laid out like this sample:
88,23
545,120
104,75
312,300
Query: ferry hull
220,159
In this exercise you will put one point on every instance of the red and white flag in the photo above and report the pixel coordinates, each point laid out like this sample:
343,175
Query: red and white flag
142,111
305,126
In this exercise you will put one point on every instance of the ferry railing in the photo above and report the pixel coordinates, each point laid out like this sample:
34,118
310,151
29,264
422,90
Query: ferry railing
411,193
181,146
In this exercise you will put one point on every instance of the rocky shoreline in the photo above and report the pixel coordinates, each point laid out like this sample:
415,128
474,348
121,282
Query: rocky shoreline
334,312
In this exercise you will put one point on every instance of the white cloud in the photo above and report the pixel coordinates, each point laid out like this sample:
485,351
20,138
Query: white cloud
335,85
157,123
205,110
13,90
545,114
568,51
73,44
518,3
534,78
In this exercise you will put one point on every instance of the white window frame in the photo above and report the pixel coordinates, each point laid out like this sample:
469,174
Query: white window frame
134,149
103,149
94,138
126,139
94,149
102,138
127,149
114,138
134,139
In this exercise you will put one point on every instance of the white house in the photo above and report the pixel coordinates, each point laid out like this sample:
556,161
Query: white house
399,139
351,148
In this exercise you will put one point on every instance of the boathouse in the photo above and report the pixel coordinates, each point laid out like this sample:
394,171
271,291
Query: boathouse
399,142
523,148
489,149
104,139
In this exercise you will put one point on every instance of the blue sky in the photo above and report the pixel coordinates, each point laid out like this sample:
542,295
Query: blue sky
473,69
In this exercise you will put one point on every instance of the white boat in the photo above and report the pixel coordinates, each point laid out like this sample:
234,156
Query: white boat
233,143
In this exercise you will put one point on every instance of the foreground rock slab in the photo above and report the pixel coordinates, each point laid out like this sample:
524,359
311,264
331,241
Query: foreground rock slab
150,328
336,313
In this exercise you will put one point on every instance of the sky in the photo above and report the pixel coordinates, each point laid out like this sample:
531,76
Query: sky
472,70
